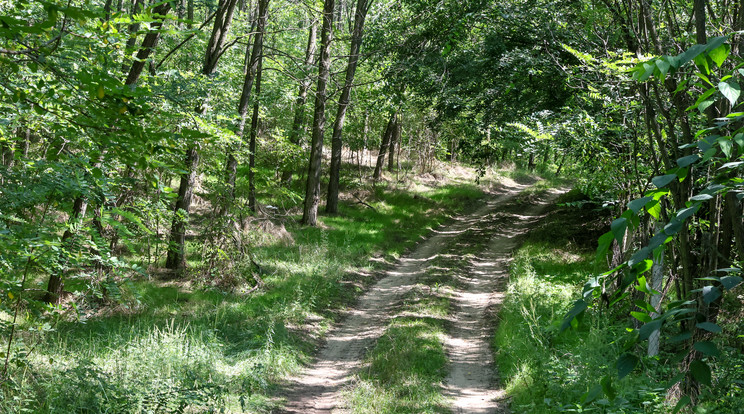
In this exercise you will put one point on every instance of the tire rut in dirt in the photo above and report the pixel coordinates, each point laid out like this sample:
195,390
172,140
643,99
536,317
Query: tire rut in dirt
472,383
466,248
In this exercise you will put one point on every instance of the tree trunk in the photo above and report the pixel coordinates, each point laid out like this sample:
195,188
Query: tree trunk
221,28
190,12
560,166
56,283
133,29
394,143
657,280
386,136
148,44
343,103
254,133
312,193
299,115
734,211
176,259
254,58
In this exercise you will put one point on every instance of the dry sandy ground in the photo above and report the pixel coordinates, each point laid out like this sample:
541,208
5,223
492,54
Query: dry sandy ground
492,231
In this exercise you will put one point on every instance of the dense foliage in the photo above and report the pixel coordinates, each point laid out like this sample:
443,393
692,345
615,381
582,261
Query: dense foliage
144,139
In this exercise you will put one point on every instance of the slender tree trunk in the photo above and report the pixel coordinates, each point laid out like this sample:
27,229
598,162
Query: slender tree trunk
56,283
312,193
394,143
734,211
220,30
336,143
107,9
148,45
231,165
254,133
190,12
176,259
7,152
254,57
657,280
299,115
133,28
386,136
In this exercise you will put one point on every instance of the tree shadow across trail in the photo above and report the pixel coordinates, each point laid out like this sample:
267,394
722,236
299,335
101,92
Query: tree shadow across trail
392,352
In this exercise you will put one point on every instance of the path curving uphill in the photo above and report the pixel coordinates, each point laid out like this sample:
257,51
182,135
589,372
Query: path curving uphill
492,232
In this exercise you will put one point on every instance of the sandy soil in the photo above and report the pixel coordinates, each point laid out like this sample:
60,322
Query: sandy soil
492,232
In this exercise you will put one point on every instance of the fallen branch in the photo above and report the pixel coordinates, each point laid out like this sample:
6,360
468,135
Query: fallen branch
360,201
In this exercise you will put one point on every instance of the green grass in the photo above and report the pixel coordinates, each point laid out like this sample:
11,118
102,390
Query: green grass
407,366
194,347
543,369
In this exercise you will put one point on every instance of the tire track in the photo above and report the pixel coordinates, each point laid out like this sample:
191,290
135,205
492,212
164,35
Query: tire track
470,383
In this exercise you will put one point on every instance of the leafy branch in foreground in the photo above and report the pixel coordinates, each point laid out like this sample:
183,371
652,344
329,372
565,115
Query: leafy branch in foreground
701,185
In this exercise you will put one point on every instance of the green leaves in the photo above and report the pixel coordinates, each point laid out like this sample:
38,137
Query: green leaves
638,204
731,90
618,227
716,51
663,180
578,308
688,160
700,371
607,387
649,328
626,364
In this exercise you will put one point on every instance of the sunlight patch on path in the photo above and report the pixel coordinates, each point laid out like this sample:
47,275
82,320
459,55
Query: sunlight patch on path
471,382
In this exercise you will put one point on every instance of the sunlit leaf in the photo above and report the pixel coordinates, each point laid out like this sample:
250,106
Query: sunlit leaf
730,90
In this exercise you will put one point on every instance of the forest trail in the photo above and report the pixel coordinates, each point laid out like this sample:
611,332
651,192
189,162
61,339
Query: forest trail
482,242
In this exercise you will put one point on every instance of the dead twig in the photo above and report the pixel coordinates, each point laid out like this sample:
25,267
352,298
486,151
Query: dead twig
360,201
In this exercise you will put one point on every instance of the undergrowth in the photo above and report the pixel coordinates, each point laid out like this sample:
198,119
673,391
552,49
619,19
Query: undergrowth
189,346
545,370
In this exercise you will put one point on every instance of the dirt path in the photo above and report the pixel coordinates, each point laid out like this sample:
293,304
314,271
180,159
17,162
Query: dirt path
491,233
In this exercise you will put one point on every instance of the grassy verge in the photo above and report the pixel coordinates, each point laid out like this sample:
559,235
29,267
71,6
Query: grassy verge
548,371
185,347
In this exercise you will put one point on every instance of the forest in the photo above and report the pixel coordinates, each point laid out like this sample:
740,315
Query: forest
196,194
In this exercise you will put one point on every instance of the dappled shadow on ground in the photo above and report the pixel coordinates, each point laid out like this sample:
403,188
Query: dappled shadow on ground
209,344
468,258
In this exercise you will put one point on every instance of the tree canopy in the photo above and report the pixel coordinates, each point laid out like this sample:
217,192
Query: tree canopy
121,118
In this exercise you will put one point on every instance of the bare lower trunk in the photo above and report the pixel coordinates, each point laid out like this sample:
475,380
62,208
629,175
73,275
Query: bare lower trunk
657,279
312,191
176,259
343,104
394,143
386,136
56,283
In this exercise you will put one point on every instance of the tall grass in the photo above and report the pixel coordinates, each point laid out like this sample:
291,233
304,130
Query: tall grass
543,369
191,347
